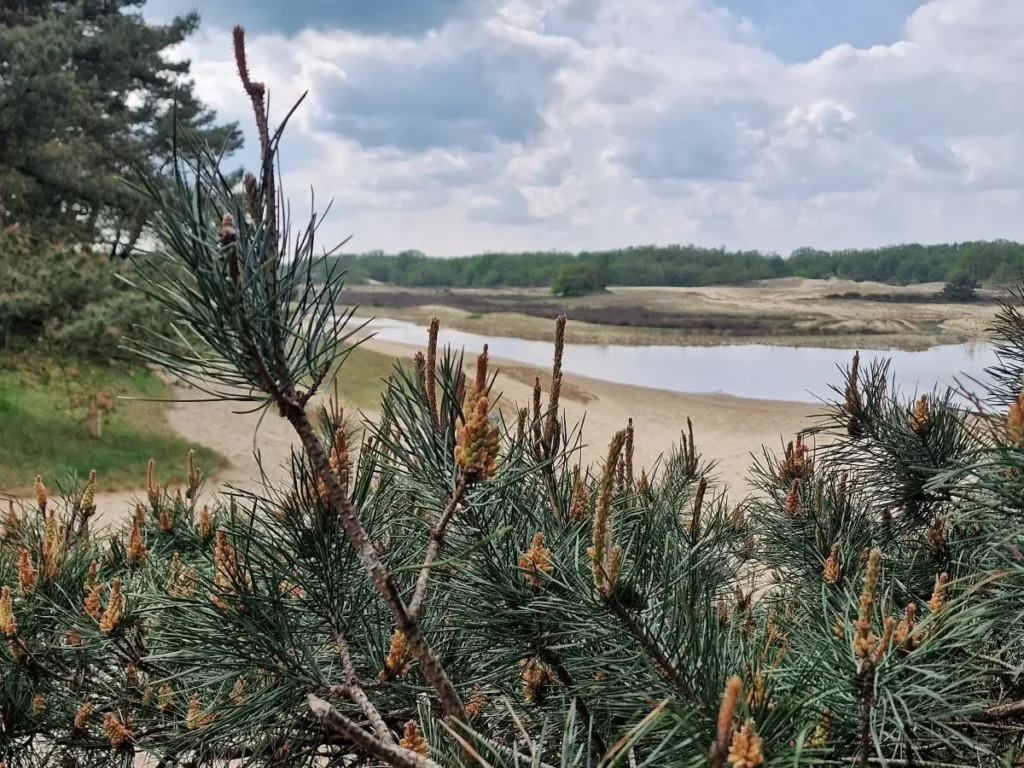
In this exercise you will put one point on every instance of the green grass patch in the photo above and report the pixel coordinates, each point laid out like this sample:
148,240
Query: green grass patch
362,376
45,429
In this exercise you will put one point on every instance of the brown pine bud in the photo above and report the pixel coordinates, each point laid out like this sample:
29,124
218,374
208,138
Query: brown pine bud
1015,422
11,528
793,500
883,644
399,656
921,416
745,751
194,718
82,715
477,442
152,487
726,714
413,740
41,496
905,626
938,601
117,732
8,625
164,696
830,573
26,572
579,503
93,606
536,676
137,552
111,617
205,523
536,560
55,539
88,502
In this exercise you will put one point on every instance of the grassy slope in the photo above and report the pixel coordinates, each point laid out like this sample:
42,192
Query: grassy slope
362,377
43,434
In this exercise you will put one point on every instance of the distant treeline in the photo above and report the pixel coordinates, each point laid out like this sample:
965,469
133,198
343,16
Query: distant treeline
997,261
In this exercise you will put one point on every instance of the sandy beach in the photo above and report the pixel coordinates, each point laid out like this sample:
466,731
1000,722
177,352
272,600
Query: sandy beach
727,429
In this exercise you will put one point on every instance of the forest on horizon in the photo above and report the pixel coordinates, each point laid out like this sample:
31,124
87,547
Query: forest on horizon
995,262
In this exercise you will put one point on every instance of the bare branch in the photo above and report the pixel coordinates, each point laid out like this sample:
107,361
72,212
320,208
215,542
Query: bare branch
342,726
434,547
355,690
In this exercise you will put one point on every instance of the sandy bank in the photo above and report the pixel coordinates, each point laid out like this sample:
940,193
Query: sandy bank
727,429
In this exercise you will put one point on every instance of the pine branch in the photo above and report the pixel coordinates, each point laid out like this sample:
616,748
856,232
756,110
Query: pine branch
662,665
379,575
392,755
355,690
434,547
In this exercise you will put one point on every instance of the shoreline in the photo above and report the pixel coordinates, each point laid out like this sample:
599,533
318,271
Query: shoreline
580,333
587,383
728,430
781,313
754,372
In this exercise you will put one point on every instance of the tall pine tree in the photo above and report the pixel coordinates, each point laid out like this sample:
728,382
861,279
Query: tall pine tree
87,96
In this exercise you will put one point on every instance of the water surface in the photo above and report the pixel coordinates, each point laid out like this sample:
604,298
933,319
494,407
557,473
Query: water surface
800,374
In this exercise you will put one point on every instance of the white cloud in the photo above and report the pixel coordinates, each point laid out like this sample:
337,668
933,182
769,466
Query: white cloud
596,123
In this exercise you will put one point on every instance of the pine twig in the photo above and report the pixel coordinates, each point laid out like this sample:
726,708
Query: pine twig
661,663
1004,711
392,755
431,372
434,547
355,690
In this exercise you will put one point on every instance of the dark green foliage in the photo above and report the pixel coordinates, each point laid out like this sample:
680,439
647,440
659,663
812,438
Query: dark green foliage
689,265
86,97
68,297
962,288
576,278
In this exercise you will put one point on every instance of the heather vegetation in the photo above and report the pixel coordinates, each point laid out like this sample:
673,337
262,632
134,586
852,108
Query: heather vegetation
456,588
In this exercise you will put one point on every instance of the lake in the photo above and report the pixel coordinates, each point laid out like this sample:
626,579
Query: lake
800,374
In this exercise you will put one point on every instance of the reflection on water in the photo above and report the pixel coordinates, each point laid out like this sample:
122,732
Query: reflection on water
801,374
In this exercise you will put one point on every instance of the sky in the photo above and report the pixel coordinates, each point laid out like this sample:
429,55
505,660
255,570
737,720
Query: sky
458,126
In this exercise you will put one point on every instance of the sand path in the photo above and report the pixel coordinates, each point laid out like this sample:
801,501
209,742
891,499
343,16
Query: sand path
727,429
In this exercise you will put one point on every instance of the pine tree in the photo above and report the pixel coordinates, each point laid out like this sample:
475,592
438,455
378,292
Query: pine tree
87,97
455,587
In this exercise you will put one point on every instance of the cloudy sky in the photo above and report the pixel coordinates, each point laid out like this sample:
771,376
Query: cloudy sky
454,126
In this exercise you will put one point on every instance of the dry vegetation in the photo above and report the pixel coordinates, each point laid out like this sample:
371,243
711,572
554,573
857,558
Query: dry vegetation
795,312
